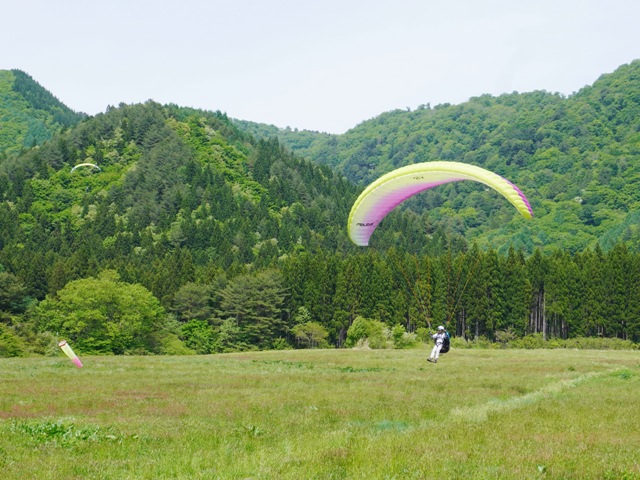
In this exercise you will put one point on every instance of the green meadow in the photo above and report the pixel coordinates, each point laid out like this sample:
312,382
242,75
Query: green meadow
324,414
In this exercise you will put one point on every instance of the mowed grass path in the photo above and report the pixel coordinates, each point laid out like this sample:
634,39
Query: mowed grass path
323,414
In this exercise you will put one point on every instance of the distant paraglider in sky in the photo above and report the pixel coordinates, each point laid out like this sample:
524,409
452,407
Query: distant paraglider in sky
393,188
86,165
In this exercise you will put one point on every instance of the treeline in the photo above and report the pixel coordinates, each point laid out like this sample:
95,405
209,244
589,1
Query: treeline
308,300
475,293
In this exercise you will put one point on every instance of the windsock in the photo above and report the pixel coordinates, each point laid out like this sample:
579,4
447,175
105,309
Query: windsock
69,352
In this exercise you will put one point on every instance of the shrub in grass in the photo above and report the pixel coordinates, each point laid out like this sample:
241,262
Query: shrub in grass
504,337
170,344
555,343
423,335
357,331
456,342
10,344
596,343
280,344
34,342
531,341
397,334
199,336
310,335
535,341
371,333
402,338
478,342
378,334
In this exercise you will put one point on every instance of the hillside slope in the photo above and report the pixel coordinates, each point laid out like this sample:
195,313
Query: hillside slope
29,114
176,186
577,159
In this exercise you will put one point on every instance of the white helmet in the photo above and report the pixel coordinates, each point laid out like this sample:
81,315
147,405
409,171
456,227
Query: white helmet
440,327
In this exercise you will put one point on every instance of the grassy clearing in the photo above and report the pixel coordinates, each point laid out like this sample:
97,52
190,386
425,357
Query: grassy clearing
324,414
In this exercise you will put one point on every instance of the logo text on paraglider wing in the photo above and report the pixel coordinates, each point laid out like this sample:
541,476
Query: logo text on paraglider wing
368,224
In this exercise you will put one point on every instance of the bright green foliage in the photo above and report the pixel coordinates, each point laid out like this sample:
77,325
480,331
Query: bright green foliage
311,335
307,333
200,337
103,315
398,336
373,332
11,345
230,338
378,335
302,316
357,331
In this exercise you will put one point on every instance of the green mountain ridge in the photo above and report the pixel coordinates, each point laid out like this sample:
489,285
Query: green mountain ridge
29,114
576,158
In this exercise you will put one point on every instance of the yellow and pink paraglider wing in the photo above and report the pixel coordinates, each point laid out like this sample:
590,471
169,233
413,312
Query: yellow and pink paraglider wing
70,353
390,190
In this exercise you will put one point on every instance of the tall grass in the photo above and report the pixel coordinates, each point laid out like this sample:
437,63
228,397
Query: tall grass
323,414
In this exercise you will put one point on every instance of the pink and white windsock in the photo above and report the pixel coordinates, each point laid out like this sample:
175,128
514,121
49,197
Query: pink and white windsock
390,190
70,353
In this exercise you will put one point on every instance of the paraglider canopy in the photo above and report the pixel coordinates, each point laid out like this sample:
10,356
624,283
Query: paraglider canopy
86,165
387,192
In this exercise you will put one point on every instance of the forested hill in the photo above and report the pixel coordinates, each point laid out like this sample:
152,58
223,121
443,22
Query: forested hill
176,186
176,210
29,114
182,233
576,158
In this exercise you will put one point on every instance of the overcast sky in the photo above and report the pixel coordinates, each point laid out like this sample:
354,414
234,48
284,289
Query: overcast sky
319,65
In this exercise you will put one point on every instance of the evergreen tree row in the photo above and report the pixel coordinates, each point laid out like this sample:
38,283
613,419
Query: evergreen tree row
313,299
475,293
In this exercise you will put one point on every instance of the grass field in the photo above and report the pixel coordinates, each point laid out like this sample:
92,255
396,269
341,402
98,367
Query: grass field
324,414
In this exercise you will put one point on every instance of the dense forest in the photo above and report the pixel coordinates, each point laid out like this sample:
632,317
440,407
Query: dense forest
195,236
